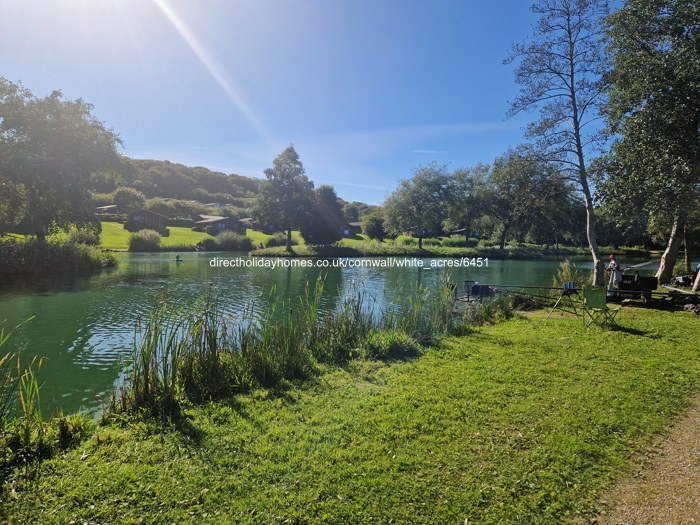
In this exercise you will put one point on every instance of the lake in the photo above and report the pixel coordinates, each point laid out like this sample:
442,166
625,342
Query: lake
83,326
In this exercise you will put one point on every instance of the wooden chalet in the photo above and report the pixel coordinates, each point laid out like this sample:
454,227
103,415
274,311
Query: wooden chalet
147,220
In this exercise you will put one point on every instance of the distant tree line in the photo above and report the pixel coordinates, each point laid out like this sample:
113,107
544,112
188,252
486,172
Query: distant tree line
614,151
518,197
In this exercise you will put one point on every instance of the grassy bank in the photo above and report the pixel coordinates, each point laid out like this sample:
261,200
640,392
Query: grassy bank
525,421
376,249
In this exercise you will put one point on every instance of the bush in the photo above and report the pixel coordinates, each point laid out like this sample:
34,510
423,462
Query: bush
230,241
458,242
431,242
33,256
210,244
279,239
82,236
405,240
144,241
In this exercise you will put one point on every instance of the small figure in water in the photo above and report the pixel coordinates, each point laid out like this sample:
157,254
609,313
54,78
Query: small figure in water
178,258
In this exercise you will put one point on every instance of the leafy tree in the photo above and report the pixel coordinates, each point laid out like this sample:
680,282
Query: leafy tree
325,224
373,226
562,218
158,205
286,196
50,147
12,200
560,72
419,203
352,213
522,187
654,113
466,198
128,200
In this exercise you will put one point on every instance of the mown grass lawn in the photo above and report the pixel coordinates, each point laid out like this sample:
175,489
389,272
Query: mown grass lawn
526,421
115,237
182,237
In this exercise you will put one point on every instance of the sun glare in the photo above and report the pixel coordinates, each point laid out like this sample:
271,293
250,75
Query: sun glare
215,69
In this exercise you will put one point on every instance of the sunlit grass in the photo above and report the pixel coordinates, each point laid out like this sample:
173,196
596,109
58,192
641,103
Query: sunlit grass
115,237
525,421
183,237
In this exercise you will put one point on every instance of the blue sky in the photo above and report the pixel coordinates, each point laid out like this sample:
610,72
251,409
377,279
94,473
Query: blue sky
366,90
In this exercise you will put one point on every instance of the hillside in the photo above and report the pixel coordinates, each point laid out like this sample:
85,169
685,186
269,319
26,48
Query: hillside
162,178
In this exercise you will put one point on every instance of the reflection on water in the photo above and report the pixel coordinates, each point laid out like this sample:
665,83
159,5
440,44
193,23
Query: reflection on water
84,325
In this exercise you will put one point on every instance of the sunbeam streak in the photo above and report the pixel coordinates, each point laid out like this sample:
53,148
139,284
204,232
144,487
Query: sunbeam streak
215,69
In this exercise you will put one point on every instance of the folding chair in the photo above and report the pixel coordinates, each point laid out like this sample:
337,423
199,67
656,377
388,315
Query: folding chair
596,310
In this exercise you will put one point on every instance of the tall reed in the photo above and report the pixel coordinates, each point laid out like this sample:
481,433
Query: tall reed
203,373
423,313
158,351
7,382
198,352
29,389
271,346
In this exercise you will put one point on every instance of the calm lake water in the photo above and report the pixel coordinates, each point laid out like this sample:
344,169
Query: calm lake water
83,326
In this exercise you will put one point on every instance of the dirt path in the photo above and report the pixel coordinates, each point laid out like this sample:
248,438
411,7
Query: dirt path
666,489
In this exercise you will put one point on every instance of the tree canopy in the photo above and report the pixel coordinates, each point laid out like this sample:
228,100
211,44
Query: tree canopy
419,203
49,148
653,113
373,225
521,189
128,200
326,218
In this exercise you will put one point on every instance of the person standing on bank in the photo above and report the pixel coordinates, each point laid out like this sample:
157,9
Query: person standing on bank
615,273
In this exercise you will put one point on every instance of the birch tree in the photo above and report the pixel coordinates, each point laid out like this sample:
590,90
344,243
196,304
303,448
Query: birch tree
560,74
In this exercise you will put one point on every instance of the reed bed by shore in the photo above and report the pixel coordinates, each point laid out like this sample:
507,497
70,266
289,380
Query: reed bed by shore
196,352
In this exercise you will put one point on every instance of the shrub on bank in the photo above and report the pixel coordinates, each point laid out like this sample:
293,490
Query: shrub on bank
230,241
279,239
32,256
83,236
144,241
227,241
459,242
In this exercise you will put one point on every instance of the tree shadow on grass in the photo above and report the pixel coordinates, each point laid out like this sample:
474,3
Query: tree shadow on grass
633,331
